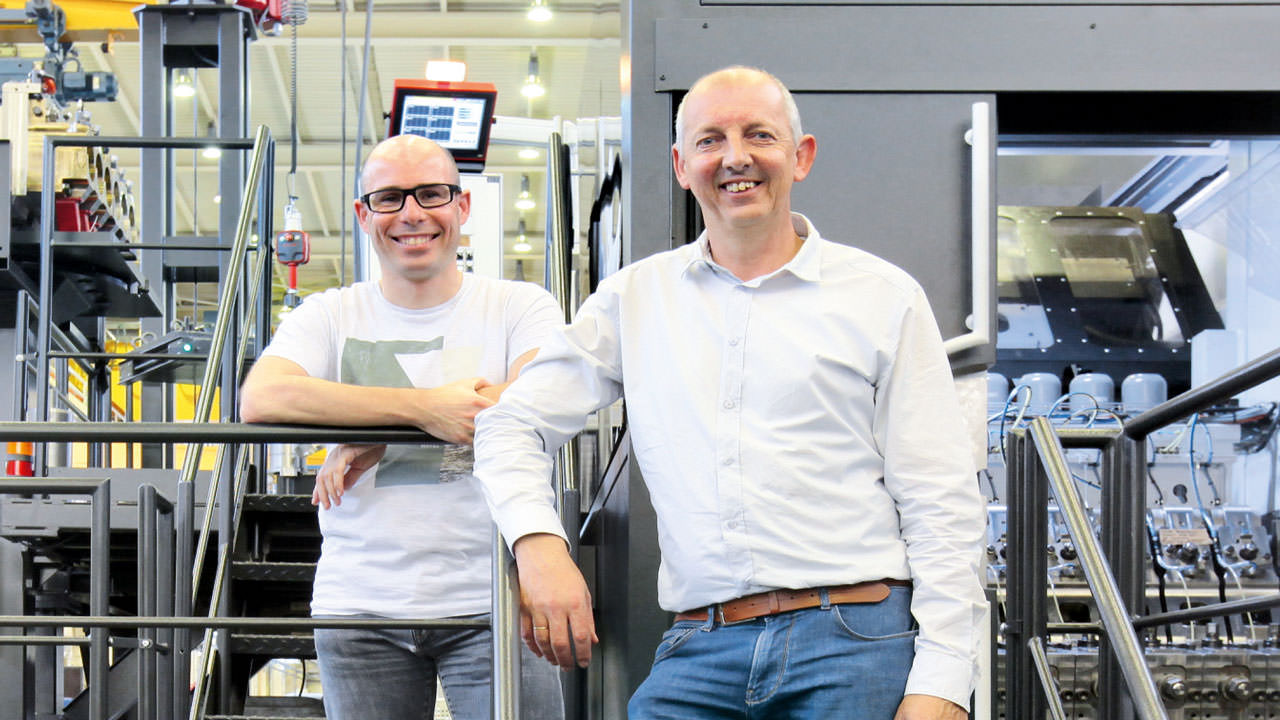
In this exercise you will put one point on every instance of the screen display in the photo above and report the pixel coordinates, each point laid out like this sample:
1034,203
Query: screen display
453,122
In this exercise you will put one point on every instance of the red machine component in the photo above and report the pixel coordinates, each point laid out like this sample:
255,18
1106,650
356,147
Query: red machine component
265,12
19,462
293,248
69,216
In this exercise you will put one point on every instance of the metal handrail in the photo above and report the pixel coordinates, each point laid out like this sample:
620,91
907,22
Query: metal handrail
1205,612
1106,592
117,622
504,622
197,561
1244,377
158,432
559,264
505,610
560,285
198,696
1036,646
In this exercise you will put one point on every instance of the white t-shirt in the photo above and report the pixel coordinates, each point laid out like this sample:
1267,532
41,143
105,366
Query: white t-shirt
412,537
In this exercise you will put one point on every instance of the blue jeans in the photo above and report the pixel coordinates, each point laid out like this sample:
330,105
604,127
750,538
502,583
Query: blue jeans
836,661
391,675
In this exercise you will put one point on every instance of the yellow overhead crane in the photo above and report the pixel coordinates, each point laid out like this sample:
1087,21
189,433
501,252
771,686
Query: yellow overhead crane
84,18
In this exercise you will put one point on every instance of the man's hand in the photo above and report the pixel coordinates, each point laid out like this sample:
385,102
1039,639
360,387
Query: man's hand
449,411
928,707
342,467
555,607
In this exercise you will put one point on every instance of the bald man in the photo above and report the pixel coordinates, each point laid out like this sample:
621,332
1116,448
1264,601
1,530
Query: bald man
406,532
795,420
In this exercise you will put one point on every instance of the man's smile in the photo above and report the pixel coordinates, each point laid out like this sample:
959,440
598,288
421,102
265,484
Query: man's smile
737,186
415,240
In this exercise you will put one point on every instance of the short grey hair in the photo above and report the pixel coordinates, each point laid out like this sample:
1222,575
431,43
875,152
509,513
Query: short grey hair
789,102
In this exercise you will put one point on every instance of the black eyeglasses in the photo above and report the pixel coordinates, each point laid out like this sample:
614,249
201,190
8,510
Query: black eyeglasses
390,200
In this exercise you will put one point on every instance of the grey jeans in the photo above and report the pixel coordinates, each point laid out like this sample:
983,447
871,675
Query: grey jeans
391,675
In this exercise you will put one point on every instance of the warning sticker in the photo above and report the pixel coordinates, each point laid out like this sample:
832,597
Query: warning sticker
1182,536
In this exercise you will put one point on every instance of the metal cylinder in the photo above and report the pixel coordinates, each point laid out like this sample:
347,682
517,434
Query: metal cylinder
1142,391
1099,386
1041,389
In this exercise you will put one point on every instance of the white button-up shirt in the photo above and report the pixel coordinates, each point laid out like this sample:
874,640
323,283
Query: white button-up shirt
796,430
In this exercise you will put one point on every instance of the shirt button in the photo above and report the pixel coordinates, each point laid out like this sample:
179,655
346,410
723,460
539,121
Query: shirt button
728,461
728,404
733,342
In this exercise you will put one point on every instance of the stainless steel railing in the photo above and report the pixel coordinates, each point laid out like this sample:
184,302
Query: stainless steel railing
1106,593
559,280
504,619
560,283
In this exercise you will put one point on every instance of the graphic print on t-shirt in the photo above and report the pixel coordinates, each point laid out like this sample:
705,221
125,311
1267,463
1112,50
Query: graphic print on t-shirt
375,363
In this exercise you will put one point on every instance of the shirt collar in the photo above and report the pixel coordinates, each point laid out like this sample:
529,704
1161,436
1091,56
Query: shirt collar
805,265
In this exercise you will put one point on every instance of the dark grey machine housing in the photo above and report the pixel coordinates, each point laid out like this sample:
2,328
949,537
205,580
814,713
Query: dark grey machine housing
888,91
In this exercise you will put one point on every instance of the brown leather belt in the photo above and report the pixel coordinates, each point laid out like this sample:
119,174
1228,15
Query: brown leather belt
780,601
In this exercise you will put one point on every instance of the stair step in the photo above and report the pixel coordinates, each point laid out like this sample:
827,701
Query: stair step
283,646
261,717
276,708
273,571
279,503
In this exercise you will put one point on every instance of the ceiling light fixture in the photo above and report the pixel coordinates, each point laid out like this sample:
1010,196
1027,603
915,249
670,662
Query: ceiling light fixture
211,152
182,85
533,84
446,70
522,243
528,154
538,11
524,201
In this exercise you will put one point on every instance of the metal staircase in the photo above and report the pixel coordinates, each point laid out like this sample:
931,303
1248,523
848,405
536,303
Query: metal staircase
273,564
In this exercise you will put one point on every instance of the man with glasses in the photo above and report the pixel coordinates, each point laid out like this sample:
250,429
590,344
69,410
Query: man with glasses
406,532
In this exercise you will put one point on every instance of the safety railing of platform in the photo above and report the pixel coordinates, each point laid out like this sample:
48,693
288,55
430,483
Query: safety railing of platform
504,619
45,329
559,280
1119,628
560,283
1038,456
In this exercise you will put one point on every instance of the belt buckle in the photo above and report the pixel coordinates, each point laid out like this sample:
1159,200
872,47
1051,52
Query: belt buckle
719,611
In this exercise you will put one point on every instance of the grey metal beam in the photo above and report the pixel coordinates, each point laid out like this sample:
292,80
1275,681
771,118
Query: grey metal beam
976,48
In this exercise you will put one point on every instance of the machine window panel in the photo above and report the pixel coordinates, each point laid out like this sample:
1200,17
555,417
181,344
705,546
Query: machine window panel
1105,257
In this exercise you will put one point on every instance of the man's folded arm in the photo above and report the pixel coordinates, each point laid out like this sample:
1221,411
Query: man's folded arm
280,391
